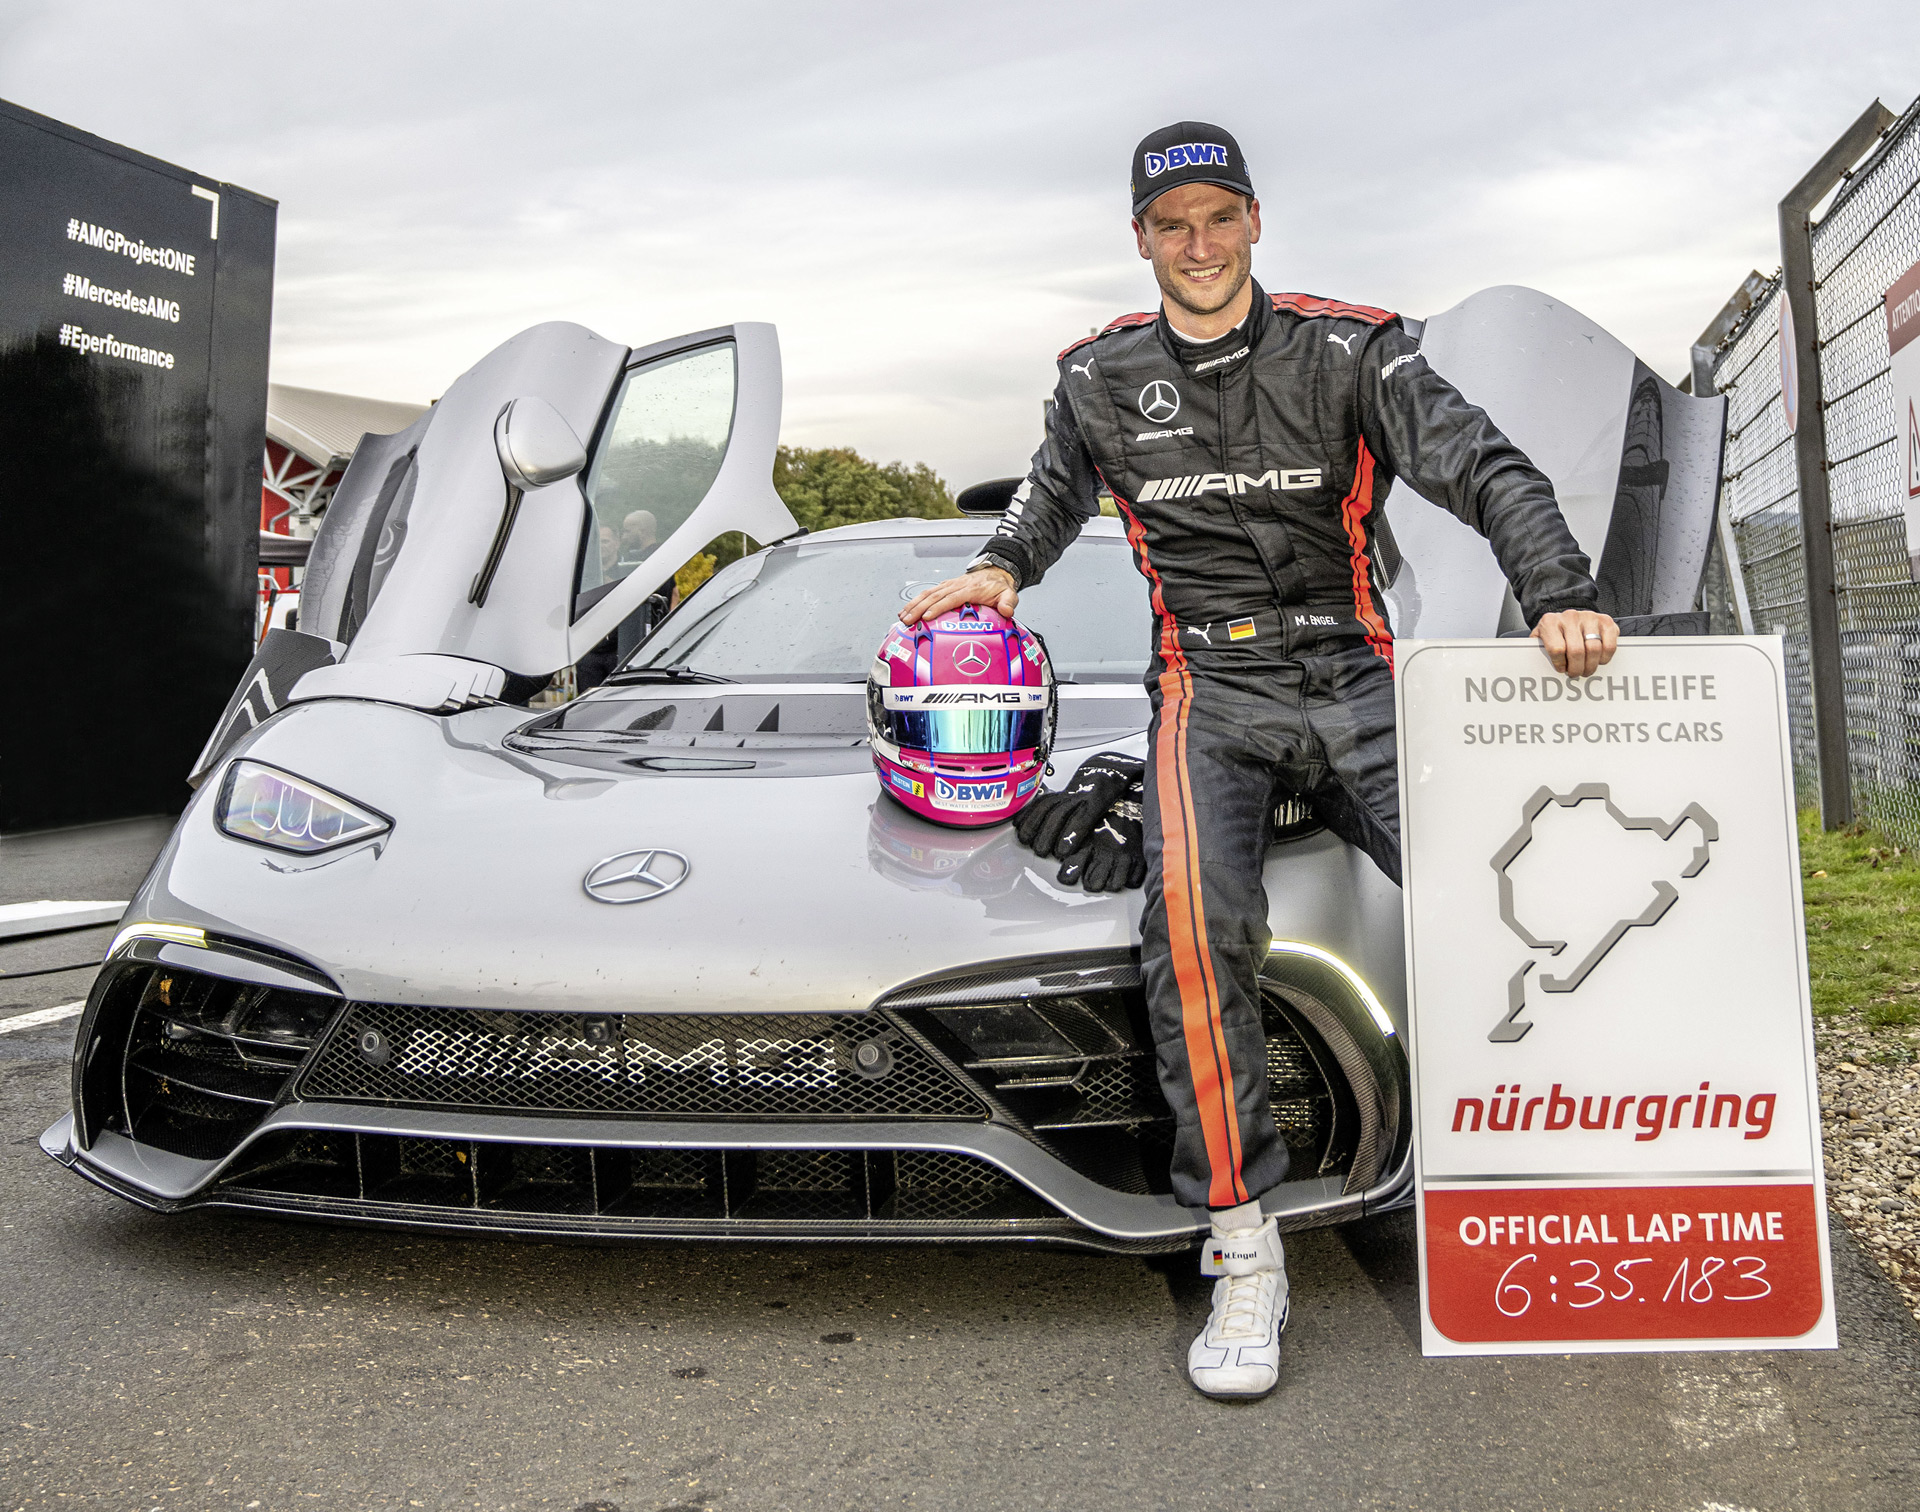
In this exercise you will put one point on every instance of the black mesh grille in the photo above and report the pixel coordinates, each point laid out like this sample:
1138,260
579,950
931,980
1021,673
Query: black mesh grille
801,1184
759,1187
1302,1102
661,1183
782,1066
936,1184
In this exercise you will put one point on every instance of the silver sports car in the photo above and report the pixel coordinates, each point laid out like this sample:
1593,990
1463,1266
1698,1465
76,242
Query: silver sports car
662,961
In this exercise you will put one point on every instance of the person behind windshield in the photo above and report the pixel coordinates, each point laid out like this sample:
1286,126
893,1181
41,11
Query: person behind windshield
1250,440
639,534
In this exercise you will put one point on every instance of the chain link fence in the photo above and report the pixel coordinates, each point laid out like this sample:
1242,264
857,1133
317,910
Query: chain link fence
1868,237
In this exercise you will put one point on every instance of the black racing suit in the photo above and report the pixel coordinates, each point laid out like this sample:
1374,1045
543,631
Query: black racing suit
1252,472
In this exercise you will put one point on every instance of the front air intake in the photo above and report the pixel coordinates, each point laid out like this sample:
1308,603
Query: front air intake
799,1192
1062,1048
203,1059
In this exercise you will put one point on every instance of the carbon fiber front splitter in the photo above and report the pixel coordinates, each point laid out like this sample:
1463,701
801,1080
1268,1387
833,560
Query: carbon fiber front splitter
1073,1210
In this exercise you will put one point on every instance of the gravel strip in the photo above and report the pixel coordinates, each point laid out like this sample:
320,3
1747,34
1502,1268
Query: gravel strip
1870,1107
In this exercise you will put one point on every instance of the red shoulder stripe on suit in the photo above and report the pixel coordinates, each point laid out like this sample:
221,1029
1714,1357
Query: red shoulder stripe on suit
1125,322
1311,304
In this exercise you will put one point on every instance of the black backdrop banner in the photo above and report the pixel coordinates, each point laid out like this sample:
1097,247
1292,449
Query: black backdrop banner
135,302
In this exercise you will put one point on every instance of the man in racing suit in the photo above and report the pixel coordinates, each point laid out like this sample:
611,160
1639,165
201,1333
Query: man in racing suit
1249,440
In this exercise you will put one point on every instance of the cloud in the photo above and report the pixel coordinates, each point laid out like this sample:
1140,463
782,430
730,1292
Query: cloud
930,202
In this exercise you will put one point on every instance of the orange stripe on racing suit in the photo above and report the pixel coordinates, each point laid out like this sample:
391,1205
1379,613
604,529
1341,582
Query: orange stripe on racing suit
1353,512
1208,1064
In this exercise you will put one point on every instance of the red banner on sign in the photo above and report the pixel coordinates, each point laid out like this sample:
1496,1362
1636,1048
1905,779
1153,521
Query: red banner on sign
1903,310
1581,1263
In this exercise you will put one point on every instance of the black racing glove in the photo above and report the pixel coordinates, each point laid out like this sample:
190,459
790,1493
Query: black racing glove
1116,857
1058,824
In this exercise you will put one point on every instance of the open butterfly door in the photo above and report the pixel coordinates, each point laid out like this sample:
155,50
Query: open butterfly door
1634,462
555,486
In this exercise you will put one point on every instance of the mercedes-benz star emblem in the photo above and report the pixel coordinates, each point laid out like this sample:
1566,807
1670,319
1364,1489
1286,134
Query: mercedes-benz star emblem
637,876
971,659
1159,401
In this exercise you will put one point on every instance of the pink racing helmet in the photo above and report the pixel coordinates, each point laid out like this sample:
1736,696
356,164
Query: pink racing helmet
960,709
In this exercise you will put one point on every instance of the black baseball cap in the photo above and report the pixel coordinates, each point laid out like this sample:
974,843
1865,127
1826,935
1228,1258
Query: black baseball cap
1187,152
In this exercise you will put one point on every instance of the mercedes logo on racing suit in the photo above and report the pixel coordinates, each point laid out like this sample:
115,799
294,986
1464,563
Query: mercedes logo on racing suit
971,659
636,876
1159,401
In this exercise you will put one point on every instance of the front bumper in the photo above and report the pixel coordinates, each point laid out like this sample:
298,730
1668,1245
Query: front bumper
972,1166
998,1186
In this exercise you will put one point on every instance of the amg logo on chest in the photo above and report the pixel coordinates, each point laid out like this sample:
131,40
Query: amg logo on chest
1287,479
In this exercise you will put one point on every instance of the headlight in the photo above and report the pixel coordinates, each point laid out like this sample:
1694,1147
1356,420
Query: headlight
271,807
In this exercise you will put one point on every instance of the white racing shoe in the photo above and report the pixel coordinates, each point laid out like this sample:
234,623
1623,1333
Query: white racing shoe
1238,1353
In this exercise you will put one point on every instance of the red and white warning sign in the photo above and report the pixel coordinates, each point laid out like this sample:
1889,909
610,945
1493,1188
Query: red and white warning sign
1903,369
1616,1114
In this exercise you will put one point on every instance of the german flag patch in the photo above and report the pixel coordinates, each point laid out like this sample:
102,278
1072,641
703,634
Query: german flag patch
1240,630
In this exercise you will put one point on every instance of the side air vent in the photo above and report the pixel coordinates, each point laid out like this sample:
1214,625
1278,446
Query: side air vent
206,1058
1077,1073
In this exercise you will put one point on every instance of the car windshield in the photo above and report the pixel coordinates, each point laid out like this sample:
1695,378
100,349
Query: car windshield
816,611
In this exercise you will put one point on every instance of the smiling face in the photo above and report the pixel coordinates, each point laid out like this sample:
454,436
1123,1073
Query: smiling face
1200,239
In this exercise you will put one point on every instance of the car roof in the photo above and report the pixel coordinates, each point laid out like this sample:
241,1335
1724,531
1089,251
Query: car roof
974,525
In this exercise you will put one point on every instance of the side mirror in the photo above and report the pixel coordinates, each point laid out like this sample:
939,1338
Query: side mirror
536,445
988,498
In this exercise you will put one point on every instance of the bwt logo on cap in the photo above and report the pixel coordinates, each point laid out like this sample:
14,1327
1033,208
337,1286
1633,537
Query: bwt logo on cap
1190,155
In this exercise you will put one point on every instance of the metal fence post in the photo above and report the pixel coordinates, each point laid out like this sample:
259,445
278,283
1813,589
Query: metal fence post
1702,387
1810,455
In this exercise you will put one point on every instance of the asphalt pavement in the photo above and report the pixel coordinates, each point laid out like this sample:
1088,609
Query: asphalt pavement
217,1361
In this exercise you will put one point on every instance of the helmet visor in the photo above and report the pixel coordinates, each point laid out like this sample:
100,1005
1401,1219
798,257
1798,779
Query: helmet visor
965,732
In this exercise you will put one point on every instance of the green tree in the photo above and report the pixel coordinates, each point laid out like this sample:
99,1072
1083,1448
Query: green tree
835,485
827,486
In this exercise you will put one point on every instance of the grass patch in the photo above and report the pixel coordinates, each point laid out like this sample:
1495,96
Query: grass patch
1863,922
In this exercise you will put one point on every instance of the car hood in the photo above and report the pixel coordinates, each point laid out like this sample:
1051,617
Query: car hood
804,893
809,892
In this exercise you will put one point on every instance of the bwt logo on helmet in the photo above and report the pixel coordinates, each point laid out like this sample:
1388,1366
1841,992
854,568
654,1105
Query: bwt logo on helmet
969,795
1190,155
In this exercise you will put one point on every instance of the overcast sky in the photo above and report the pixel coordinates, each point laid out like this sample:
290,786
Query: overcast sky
931,200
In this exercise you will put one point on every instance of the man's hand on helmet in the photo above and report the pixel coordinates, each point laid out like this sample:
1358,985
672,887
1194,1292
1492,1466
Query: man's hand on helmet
990,586
1116,857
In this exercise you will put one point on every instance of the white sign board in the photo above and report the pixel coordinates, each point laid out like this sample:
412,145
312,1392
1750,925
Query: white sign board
1903,347
1616,1119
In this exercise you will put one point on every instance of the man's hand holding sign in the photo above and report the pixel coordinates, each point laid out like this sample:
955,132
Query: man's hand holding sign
1579,641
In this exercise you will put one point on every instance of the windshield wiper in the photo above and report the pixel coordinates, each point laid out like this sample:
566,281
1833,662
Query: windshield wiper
679,672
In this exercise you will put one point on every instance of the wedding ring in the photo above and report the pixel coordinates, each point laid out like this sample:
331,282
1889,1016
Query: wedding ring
1592,636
